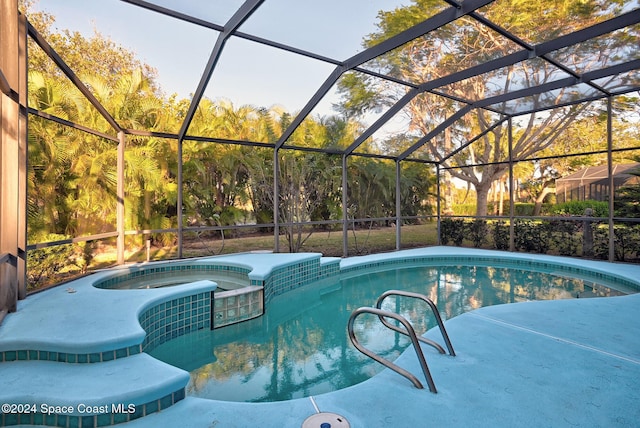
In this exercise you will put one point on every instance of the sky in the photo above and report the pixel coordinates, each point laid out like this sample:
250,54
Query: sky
247,73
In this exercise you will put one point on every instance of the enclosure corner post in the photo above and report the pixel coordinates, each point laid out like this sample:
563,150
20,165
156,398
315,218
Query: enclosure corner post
398,207
612,237
10,141
438,208
512,244
345,201
180,198
276,201
120,199
22,155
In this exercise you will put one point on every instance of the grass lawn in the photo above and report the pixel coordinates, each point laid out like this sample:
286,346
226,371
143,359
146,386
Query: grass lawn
329,243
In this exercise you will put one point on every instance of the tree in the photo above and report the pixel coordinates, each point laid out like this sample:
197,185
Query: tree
627,198
309,183
216,175
465,43
584,135
94,56
371,188
72,174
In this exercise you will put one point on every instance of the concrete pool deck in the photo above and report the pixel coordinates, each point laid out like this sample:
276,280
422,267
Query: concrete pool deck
551,363
564,363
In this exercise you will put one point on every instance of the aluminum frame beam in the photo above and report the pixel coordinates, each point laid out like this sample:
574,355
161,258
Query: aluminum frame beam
62,65
437,21
230,27
596,30
526,92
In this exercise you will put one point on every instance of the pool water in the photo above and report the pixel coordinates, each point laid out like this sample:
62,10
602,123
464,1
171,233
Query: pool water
300,346
226,281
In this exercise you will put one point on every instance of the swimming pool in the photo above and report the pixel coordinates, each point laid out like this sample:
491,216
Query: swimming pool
530,361
300,347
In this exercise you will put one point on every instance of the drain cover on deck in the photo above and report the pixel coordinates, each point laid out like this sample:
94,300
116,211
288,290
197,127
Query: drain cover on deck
325,420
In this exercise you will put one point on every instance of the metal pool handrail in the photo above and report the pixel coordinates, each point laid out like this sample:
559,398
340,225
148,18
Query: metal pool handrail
436,313
409,332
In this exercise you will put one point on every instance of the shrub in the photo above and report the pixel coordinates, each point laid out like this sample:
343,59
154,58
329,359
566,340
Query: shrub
600,208
44,263
464,209
626,243
564,237
452,230
532,236
501,235
478,231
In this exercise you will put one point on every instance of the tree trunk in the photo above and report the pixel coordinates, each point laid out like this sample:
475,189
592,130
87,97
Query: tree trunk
482,198
538,206
147,208
219,189
501,186
446,182
147,214
446,185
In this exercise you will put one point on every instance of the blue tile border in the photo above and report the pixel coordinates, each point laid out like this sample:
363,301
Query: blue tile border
69,357
176,317
291,276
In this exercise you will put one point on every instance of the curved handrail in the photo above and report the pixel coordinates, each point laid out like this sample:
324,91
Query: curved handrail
409,332
436,313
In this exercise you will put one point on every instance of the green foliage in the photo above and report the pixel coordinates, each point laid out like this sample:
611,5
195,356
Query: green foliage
627,202
372,188
532,236
600,241
478,231
626,242
452,230
501,235
464,209
564,237
230,215
416,190
83,255
578,208
520,209
43,264
362,100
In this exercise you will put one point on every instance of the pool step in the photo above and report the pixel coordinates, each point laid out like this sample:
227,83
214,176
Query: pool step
101,394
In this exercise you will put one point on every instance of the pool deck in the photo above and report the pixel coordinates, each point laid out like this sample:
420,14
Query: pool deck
562,363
